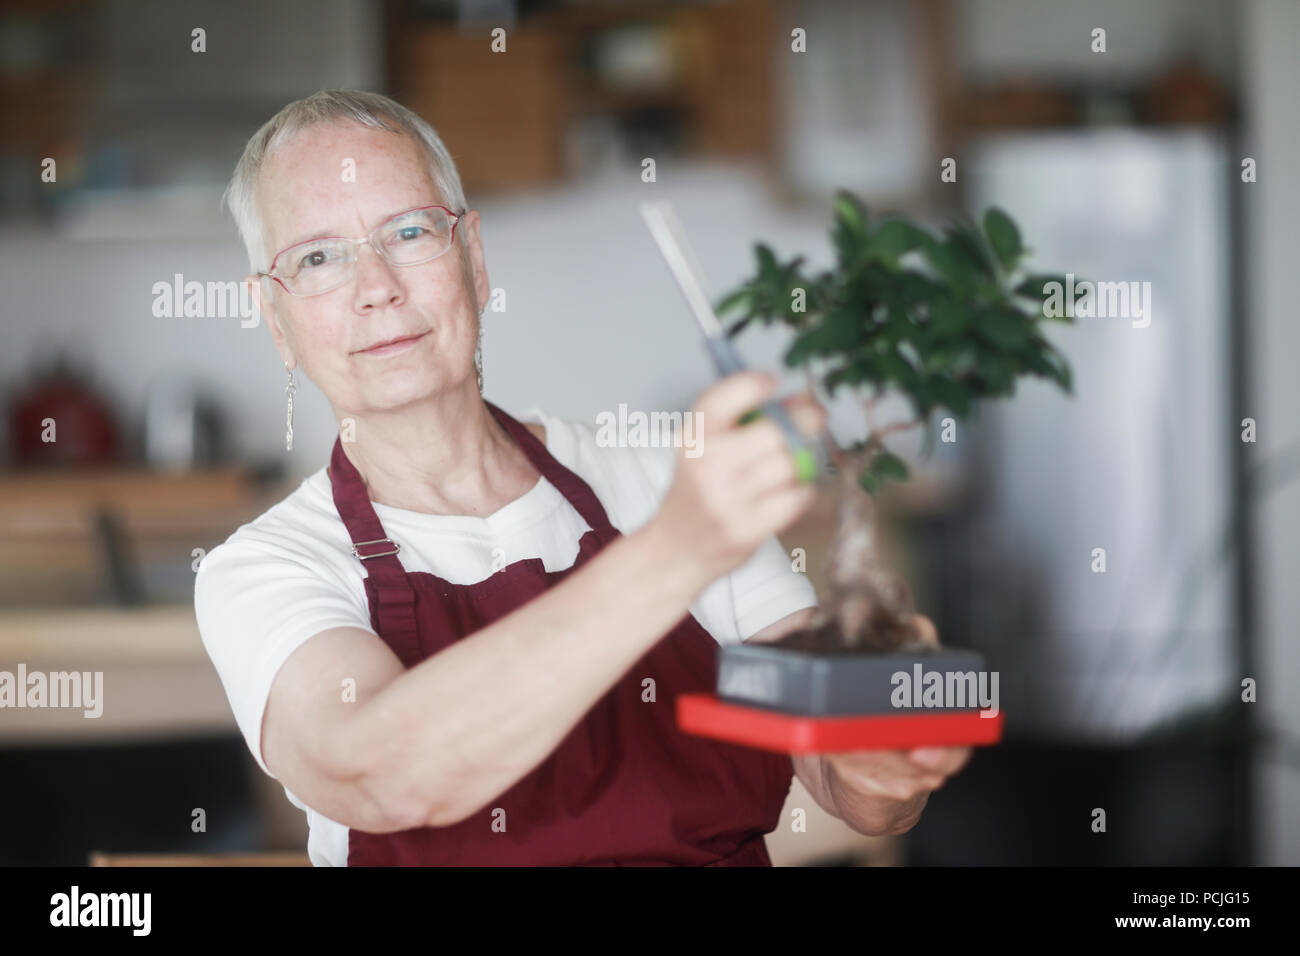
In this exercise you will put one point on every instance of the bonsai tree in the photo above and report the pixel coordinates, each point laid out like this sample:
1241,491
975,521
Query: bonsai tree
946,319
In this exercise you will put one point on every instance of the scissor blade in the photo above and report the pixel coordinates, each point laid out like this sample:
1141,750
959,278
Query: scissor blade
668,234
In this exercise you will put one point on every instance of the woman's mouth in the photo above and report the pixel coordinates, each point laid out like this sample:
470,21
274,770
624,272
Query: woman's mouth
392,346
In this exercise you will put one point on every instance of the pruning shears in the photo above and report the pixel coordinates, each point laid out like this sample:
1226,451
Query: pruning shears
810,455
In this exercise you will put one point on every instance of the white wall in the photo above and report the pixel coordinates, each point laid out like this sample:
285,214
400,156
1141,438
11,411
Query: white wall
593,315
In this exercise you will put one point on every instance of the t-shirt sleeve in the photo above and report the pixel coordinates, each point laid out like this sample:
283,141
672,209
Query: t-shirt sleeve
255,605
766,588
760,592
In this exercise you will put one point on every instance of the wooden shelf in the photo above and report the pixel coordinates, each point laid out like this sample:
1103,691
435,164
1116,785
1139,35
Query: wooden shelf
283,858
122,488
77,638
158,681
53,549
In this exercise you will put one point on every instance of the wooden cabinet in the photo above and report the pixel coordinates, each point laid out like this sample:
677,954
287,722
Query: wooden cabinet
506,116
500,114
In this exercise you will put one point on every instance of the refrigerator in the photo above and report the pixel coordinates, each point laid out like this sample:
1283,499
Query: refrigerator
1102,577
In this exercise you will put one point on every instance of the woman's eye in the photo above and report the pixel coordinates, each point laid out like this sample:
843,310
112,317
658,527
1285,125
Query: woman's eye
410,232
317,257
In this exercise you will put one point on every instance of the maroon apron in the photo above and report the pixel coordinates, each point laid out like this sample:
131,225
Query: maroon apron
624,787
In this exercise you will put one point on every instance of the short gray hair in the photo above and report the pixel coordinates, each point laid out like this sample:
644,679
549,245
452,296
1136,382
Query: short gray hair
330,106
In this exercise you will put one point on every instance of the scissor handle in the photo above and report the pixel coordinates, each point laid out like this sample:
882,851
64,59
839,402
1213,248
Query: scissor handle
728,362
805,456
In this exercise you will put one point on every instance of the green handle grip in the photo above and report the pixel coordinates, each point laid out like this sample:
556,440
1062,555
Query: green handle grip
805,462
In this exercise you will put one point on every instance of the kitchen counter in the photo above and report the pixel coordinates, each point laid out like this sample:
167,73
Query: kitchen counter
157,678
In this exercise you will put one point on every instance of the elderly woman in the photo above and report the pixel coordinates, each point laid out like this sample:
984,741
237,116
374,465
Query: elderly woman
460,641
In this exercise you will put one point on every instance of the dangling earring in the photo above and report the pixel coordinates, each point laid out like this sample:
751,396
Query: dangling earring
290,387
478,356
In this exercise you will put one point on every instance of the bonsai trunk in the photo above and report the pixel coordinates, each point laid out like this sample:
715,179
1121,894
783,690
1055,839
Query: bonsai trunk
845,664
868,607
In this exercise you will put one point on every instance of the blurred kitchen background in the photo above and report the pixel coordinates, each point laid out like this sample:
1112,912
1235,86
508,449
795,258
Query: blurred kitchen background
1122,690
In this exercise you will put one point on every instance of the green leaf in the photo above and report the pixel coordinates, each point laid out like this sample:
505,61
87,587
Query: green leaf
742,296
1033,286
921,399
896,238
1060,372
966,244
1003,327
849,231
852,374
767,267
1040,288
884,466
951,265
1004,237
889,466
994,375
841,330
946,359
952,395
802,348
915,289
948,318
895,368
849,209
734,330
899,328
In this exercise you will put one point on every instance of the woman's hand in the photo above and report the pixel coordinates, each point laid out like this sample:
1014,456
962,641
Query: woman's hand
742,487
884,791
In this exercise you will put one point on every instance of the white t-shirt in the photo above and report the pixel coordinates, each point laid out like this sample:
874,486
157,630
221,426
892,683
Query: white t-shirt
289,574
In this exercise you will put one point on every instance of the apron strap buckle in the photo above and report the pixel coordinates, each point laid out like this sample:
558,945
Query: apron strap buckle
379,554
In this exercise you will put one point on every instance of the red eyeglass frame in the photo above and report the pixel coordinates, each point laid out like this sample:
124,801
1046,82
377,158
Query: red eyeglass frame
362,240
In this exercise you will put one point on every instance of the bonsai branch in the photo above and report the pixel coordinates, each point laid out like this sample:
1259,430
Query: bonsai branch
878,435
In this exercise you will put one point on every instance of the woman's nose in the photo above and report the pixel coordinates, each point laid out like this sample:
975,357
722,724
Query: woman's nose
376,278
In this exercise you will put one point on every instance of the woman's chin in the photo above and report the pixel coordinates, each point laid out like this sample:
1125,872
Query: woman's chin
399,389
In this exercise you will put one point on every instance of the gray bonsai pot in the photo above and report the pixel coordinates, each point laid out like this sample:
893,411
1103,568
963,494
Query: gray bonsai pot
832,681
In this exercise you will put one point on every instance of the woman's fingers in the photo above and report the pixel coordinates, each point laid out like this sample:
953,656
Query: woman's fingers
925,629
806,412
721,406
742,487
889,773
942,760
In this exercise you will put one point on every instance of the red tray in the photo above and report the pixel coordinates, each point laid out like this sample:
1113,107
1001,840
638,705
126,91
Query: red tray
705,716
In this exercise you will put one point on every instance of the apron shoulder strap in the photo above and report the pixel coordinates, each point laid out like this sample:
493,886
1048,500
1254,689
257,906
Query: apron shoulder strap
575,490
395,610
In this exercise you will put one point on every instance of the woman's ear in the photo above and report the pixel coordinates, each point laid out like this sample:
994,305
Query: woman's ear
476,268
265,306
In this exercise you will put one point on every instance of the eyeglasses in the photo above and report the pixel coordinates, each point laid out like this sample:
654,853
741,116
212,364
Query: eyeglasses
323,265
